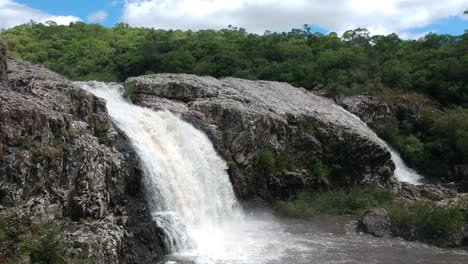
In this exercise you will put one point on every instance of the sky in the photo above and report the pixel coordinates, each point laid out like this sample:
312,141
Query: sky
407,18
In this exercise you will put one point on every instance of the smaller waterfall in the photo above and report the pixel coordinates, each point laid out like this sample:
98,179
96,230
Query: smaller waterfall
402,172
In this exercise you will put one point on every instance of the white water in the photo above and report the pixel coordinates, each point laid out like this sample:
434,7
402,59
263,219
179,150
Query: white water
402,172
188,188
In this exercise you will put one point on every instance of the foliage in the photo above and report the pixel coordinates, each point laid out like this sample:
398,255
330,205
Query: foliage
49,249
265,164
351,201
353,63
425,220
429,222
43,243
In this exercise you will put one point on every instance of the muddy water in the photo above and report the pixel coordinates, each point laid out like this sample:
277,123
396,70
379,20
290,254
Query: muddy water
270,239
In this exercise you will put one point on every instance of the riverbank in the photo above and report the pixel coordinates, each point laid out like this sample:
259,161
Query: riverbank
423,220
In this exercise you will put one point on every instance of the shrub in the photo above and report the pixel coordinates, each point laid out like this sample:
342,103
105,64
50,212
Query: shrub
430,222
265,163
50,248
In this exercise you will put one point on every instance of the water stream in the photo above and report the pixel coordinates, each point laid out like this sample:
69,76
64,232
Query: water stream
191,198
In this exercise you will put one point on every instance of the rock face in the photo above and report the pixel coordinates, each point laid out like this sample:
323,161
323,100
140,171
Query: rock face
392,109
307,135
372,111
62,162
3,58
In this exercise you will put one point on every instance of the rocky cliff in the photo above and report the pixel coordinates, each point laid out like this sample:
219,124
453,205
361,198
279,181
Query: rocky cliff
63,164
277,139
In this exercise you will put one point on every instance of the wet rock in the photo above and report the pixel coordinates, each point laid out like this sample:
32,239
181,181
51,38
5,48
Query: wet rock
63,162
244,117
376,222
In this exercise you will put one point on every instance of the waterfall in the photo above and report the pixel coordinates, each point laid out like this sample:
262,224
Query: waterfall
402,172
186,183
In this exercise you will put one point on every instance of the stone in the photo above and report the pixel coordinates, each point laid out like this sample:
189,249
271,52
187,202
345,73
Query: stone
242,117
376,222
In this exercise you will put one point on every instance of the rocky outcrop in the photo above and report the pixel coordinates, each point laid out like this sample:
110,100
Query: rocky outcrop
307,135
63,162
3,58
371,110
392,109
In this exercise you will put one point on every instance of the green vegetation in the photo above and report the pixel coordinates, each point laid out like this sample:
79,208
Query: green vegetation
428,221
42,243
265,163
356,62
439,149
353,201
435,66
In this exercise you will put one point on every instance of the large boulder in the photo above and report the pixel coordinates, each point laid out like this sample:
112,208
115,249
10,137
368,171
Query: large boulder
245,119
376,222
62,162
3,60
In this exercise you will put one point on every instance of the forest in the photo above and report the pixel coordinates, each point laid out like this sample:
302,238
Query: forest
434,67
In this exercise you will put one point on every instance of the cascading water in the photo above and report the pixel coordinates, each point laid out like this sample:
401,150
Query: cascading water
402,172
188,189
191,198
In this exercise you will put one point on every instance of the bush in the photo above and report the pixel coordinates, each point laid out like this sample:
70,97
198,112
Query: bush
50,248
429,222
265,163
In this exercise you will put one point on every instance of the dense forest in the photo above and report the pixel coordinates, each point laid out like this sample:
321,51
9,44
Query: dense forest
434,67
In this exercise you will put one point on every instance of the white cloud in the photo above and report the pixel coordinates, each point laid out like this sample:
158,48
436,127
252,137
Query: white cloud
13,14
380,17
98,16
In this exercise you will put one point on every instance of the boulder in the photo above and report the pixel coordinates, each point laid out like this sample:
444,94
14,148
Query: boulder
376,222
244,118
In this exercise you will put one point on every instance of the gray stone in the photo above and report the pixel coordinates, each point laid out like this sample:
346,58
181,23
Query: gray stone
376,222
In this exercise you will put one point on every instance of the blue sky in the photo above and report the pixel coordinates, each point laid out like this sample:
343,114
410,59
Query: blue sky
408,18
